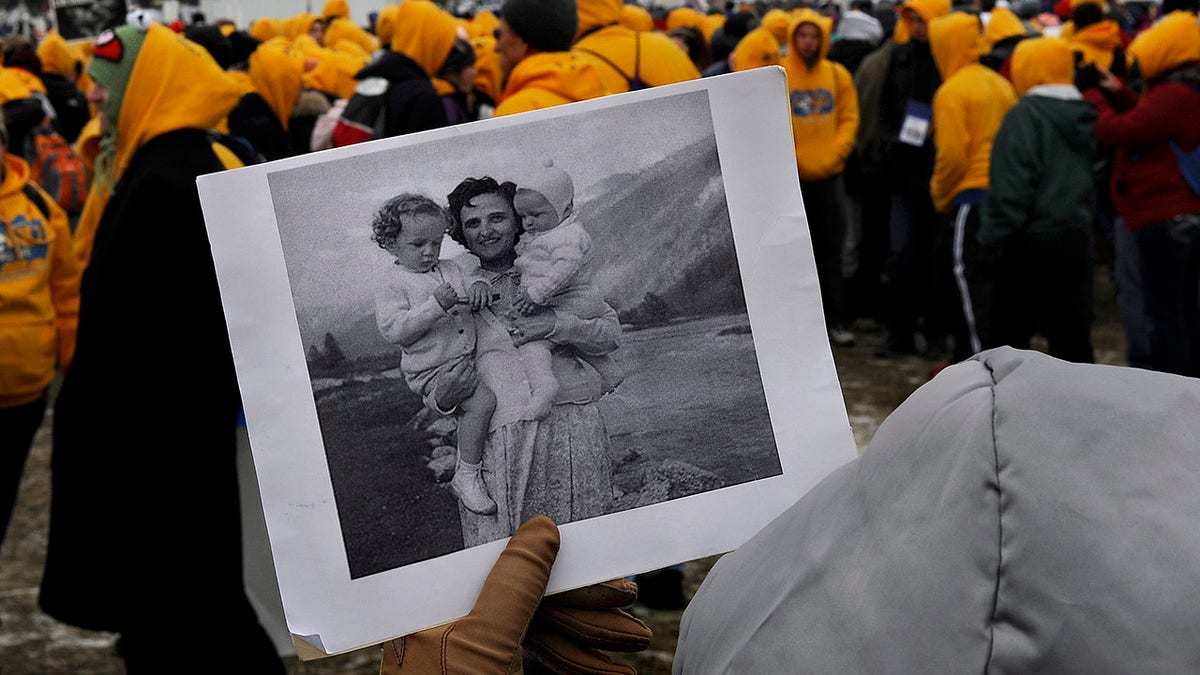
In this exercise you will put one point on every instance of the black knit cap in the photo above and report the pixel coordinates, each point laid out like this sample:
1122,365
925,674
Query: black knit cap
545,25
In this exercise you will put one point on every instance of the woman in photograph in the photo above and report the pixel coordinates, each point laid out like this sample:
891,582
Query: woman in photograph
556,466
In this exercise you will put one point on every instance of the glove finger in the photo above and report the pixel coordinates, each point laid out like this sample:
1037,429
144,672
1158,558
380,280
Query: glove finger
610,629
615,593
560,655
512,591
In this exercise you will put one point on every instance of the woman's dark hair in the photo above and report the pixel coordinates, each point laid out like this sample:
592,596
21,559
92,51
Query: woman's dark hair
697,45
388,220
467,191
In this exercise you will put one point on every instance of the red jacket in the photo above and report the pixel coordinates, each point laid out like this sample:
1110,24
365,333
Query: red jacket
1147,186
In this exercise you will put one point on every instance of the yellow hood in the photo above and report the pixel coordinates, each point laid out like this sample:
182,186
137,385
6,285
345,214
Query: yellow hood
277,71
1042,60
955,42
12,85
58,56
803,16
487,66
484,24
296,25
265,28
928,10
684,17
597,13
1171,42
1105,35
346,31
424,33
1002,25
338,8
174,84
385,25
777,21
757,49
636,17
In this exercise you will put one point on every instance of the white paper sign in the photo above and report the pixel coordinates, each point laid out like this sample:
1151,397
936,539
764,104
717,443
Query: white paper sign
729,411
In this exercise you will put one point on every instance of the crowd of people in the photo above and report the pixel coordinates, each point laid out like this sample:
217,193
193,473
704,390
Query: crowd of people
963,167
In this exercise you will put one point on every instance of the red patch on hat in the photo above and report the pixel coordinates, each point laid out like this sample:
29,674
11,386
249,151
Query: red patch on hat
108,47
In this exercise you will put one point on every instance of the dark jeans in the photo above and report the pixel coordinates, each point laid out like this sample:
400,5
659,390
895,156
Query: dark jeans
19,425
1044,286
1171,292
912,294
825,206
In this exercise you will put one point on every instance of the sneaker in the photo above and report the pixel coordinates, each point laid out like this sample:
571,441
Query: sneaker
468,486
840,337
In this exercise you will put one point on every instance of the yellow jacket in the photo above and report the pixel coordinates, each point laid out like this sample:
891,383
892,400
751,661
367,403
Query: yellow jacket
636,17
659,61
39,281
277,72
548,79
967,109
1095,43
757,49
824,106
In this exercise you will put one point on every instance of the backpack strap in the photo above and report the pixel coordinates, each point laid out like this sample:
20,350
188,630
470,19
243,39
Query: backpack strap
35,196
628,80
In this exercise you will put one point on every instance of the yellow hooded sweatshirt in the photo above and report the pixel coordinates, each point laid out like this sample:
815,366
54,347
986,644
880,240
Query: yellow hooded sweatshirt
824,105
636,17
685,17
488,78
600,32
39,281
385,26
757,49
424,33
928,10
265,28
1095,43
777,21
483,25
346,31
335,70
277,72
1044,60
336,8
967,108
59,56
12,85
1172,42
547,79
1002,25
174,85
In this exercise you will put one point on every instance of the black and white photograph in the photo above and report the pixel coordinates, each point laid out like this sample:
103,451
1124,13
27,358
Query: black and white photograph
84,20
555,314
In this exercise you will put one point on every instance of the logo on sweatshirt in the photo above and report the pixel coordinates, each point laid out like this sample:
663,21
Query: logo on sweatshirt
807,102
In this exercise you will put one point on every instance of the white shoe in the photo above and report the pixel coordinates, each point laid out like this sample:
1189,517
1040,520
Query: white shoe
468,486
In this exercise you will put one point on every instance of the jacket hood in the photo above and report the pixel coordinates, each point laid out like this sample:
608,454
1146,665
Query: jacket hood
12,85
777,21
685,17
636,17
174,84
16,175
1172,42
58,56
424,33
298,24
385,26
265,28
805,15
926,9
1105,35
338,8
596,14
900,552
1002,25
1042,60
955,41
277,72
483,25
759,48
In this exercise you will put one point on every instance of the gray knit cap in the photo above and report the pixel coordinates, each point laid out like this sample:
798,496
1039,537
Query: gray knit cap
545,25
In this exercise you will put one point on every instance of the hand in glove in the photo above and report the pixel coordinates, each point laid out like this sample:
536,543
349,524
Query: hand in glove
565,631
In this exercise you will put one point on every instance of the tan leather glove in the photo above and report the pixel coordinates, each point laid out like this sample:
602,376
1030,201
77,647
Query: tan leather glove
565,631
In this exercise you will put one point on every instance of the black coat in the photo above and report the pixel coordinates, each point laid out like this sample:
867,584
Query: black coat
144,521
412,102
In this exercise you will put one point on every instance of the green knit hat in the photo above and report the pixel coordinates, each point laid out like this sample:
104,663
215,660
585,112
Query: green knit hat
112,63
